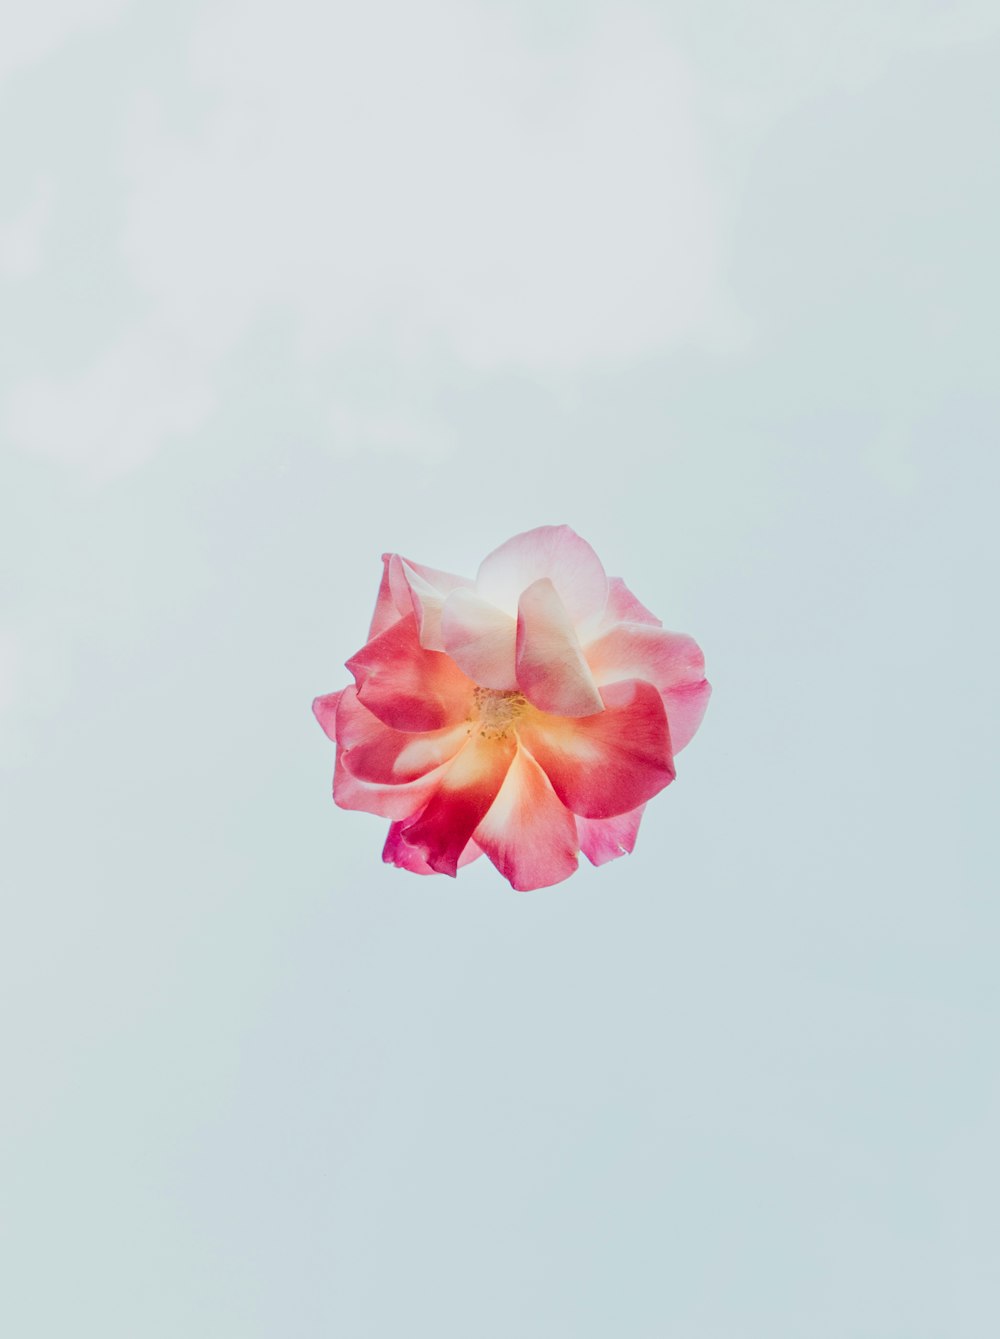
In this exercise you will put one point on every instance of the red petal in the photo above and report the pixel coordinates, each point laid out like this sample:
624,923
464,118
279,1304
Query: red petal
604,839
623,607
407,686
553,551
373,751
468,789
398,851
388,801
428,589
551,670
528,833
393,601
686,706
607,764
325,711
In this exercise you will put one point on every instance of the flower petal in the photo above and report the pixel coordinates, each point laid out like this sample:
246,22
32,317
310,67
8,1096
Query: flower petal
604,839
553,551
623,607
407,686
672,661
388,801
398,851
686,706
469,787
480,638
325,711
373,751
393,602
607,764
551,670
428,589
528,832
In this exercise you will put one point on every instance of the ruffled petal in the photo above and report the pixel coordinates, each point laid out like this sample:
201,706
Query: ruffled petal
349,792
407,686
325,711
442,830
551,670
528,832
398,851
480,638
553,551
393,601
672,661
607,764
373,751
604,839
686,706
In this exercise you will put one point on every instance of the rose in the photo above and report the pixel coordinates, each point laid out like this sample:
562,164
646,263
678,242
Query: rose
529,714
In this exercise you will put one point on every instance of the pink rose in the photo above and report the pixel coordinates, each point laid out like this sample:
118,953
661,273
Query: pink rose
529,714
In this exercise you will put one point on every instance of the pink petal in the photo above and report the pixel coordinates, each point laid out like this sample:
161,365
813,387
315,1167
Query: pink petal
458,806
398,851
604,839
553,551
685,706
325,711
672,661
393,601
373,751
623,607
528,832
607,764
551,670
407,686
388,801
480,638
428,589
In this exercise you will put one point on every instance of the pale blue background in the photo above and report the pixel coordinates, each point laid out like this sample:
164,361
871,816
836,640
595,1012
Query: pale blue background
286,286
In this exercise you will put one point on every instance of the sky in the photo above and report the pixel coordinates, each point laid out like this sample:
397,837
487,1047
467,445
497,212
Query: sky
284,288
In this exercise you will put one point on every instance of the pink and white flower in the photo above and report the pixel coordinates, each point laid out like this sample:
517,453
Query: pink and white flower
529,714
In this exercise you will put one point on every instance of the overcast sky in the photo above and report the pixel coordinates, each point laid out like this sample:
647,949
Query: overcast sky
285,287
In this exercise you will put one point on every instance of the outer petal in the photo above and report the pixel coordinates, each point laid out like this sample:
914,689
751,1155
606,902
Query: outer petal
553,551
373,751
604,839
551,670
670,660
393,601
468,789
407,686
480,638
325,711
604,765
686,706
398,851
388,801
528,833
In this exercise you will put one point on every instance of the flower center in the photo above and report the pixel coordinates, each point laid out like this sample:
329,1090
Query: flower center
495,711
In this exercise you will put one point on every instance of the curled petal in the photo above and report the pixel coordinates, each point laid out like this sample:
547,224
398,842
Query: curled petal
398,851
553,551
480,638
551,670
325,711
406,686
607,764
373,751
528,832
604,839
672,661
470,784
393,601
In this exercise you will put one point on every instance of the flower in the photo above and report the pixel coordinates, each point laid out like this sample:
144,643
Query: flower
529,714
